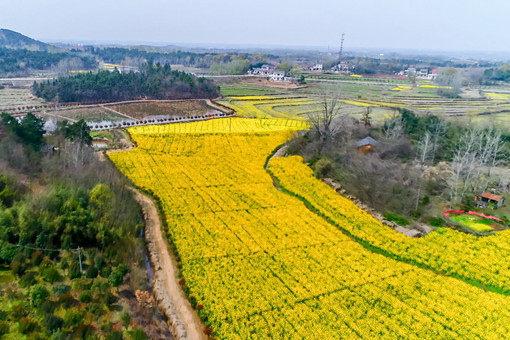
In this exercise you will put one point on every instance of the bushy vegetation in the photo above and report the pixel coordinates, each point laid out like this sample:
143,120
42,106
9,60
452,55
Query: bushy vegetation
153,82
70,200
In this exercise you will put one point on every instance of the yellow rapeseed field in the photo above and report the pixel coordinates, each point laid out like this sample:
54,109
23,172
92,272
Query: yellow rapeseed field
265,266
480,259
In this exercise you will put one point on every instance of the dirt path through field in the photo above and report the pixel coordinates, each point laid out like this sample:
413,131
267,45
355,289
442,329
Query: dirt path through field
182,318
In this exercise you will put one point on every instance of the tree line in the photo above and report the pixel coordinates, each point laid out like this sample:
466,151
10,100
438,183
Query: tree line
154,81
117,55
22,62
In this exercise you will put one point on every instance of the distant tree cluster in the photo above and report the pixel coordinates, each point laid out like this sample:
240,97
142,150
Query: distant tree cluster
497,74
117,55
20,62
153,82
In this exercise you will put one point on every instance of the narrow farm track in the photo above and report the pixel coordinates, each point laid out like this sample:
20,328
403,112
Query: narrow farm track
183,320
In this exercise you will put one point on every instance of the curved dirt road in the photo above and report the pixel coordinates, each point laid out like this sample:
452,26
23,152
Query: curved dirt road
183,320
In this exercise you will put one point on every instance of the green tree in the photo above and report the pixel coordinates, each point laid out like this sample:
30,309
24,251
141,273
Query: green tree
31,131
117,276
38,294
79,132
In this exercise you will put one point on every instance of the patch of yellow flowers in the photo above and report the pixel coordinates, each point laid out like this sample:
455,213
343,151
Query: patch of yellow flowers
264,266
482,259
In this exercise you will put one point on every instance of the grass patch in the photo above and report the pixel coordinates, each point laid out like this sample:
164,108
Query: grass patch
400,220
474,222
102,135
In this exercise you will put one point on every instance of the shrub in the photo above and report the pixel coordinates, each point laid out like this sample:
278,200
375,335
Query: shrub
322,167
125,318
47,307
137,334
18,311
46,263
96,309
80,284
115,335
99,262
74,271
38,294
59,335
18,268
37,257
91,272
52,323
117,276
3,315
73,317
4,328
51,275
28,279
27,326
60,289
66,300
436,222
85,296
401,220
105,271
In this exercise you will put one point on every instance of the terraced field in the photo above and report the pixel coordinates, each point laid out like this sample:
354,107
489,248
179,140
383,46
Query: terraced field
493,110
258,263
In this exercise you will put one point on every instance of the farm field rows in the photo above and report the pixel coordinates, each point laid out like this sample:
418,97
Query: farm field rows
300,108
384,100
263,265
182,108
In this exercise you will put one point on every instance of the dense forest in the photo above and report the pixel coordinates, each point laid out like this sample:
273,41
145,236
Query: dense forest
71,258
22,62
153,82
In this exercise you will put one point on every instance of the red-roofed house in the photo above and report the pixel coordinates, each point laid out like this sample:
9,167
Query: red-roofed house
487,199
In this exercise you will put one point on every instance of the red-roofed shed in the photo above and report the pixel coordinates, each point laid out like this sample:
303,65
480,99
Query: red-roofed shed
486,199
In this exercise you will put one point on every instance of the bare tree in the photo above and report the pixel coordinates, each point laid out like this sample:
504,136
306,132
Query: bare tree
423,156
365,117
394,127
65,66
477,149
327,121
437,130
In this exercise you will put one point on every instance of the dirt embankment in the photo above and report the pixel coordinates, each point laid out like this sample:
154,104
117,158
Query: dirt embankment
183,320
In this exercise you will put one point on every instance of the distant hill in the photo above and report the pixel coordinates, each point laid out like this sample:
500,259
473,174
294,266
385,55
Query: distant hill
15,40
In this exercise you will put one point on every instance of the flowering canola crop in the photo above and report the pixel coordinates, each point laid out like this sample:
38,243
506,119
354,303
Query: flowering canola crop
471,258
265,266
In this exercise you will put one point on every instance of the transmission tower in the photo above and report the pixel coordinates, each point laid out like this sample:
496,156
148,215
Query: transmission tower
342,44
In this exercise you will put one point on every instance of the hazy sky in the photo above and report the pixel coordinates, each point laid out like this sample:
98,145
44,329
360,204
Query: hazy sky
414,24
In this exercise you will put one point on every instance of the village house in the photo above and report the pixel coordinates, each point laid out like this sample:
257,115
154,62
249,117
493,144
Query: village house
278,75
264,70
316,67
486,199
366,144
342,67
422,73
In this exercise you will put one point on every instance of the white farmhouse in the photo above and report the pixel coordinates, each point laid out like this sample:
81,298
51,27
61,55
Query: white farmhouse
278,75
316,67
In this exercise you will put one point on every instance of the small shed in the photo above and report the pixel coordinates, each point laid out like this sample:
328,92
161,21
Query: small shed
486,199
366,144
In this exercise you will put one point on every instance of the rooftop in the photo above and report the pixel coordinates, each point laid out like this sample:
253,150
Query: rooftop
491,197
366,141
